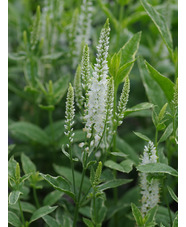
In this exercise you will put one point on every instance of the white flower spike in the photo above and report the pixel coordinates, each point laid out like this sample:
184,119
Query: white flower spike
69,114
149,188
96,111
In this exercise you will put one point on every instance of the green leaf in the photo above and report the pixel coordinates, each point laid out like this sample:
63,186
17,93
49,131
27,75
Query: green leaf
157,168
173,195
160,23
162,216
88,222
98,211
118,154
27,165
12,167
26,131
60,87
26,207
137,214
48,107
59,183
168,131
53,56
67,173
41,212
150,216
143,137
52,198
165,83
127,165
130,49
58,129
154,92
51,222
14,196
175,222
13,219
123,72
127,149
113,184
138,107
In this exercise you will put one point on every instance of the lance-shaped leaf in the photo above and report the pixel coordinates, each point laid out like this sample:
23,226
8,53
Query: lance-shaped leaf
137,215
26,207
143,137
165,83
13,219
137,108
26,131
59,183
168,131
27,164
173,195
52,197
113,184
125,166
41,212
98,211
51,222
157,168
160,23
14,196
154,92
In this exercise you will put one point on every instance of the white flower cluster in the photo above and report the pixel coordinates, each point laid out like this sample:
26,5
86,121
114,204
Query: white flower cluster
69,114
123,101
149,188
80,30
84,26
96,111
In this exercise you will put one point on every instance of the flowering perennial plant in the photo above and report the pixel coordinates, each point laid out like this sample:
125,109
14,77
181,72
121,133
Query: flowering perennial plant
149,188
87,185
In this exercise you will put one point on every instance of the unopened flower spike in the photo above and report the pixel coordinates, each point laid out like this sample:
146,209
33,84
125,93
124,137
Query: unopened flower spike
69,114
149,189
96,111
78,88
123,101
109,114
85,71
97,174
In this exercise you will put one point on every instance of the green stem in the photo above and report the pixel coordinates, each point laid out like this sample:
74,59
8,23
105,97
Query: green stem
167,204
35,197
72,167
156,138
21,212
51,124
115,190
79,195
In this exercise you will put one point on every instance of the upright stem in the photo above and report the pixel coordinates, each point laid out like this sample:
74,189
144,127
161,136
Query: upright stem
115,190
35,197
72,167
51,124
21,212
156,138
79,196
